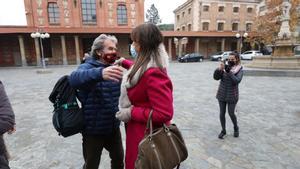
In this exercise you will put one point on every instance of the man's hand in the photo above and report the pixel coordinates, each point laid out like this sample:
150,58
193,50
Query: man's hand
114,73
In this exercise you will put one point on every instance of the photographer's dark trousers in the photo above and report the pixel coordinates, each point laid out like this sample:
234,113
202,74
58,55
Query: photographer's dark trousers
231,109
92,147
3,154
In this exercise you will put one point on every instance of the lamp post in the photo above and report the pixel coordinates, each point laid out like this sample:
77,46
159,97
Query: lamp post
238,35
41,36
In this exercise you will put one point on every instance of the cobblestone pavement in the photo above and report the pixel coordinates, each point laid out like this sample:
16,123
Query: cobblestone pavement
268,114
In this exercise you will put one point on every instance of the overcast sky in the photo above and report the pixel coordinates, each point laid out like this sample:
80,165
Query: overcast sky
165,8
12,12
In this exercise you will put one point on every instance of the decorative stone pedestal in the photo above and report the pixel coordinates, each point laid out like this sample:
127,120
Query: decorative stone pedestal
284,48
275,62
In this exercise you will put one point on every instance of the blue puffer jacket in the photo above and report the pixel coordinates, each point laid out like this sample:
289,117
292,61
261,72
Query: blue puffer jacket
99,97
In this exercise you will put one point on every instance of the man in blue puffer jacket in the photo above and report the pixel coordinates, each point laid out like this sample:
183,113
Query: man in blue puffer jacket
98,84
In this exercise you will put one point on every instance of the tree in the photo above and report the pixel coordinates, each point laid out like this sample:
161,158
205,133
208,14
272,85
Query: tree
267,26
166,27
152,15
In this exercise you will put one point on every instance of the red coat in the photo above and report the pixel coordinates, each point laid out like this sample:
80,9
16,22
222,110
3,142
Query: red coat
153,91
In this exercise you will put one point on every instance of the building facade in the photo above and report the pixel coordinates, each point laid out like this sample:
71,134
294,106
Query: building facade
221,16
72,26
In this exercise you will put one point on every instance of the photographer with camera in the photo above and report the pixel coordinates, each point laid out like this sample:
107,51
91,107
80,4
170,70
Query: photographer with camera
230,74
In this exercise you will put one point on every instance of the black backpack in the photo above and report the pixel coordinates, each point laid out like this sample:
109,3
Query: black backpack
67,115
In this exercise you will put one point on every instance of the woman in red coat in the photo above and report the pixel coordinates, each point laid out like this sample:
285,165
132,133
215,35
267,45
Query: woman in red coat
145,87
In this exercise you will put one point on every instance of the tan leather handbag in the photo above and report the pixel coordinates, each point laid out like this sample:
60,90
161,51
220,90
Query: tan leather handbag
163,148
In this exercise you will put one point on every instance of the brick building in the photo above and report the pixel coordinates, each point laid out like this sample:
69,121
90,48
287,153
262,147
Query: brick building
221,17
72,26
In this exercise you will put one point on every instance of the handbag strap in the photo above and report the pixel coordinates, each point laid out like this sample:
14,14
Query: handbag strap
149,123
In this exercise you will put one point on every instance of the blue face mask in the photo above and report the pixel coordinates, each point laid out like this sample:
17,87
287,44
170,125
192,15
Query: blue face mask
133,52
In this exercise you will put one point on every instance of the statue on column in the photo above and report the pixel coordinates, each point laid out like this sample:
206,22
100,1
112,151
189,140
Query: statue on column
285,32
286,6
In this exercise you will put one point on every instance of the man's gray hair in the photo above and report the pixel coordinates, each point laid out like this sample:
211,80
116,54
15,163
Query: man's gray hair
98,43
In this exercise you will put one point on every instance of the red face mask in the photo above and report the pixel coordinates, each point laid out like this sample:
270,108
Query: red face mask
110,57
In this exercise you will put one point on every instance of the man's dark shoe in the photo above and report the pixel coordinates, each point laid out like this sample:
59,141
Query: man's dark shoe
222,134
236,132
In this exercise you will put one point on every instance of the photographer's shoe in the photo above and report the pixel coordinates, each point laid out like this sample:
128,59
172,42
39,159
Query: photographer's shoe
222,134
236,132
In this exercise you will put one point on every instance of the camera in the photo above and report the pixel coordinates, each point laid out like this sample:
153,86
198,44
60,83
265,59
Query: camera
227,65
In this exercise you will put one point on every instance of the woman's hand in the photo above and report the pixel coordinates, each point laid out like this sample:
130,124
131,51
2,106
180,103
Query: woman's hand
11,131
119,61
222,66
124,114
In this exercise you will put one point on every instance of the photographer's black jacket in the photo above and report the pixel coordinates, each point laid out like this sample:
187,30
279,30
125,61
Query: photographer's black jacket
229,85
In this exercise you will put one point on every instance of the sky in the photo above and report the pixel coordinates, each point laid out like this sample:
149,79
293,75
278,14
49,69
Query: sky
165,8
12,12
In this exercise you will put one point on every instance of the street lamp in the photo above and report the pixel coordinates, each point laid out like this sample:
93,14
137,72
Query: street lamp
41,36
238,35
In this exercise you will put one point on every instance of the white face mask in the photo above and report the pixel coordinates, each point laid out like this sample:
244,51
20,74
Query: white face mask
133,52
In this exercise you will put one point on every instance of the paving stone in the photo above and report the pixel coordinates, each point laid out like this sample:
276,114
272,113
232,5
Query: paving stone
268,114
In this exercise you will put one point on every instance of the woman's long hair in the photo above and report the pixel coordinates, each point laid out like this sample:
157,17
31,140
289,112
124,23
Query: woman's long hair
149,37
237,57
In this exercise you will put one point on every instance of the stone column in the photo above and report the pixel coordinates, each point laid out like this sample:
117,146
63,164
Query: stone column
223,44
197,42
170,48
77,50
22,50
37,52
64,50
179,48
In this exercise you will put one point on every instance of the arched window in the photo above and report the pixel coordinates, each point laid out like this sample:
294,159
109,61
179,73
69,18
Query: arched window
122,14
53,13
189,27
88,8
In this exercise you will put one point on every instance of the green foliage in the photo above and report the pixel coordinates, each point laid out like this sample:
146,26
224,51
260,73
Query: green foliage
166,27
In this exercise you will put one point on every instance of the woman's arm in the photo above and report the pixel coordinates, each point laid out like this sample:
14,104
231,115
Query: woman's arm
159,90
236,78
218,74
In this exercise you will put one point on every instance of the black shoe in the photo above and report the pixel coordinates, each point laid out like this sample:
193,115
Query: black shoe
222,134
236,132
